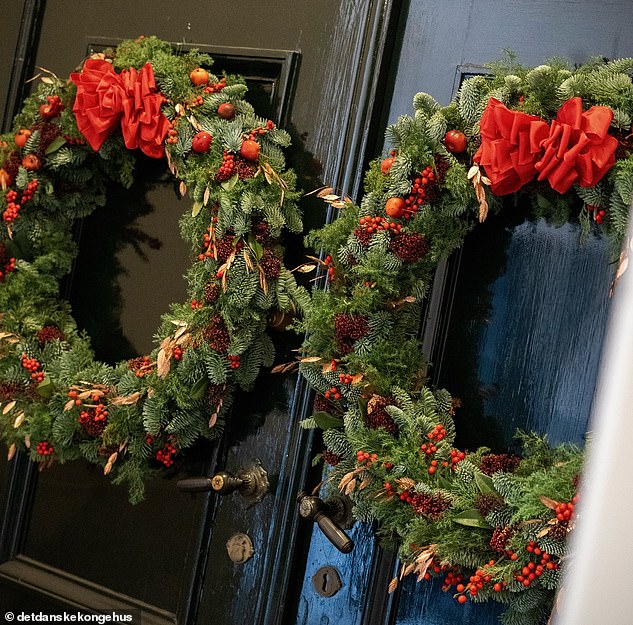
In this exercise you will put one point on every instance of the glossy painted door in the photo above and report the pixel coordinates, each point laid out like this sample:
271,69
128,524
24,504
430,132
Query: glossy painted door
516,322
69,539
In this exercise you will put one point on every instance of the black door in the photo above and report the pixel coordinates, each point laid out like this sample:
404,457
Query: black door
69,539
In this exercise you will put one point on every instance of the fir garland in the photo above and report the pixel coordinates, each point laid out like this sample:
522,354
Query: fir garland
58,402
492,526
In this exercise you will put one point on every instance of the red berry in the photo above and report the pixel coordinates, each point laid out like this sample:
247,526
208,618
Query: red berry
462,599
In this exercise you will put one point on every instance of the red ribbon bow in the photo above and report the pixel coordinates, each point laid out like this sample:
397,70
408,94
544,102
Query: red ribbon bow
575,148
105,98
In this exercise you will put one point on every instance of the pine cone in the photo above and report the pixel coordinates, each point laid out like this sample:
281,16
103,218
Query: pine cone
10,390
378,417
270,264
441,167
261,231
493,463
211,292
217,335
431,506
559,531
348,329
321,404
225,247
48,334
500,538
409,247
488,503
330,457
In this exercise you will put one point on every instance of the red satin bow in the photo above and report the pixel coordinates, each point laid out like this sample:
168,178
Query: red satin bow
105,98
575,148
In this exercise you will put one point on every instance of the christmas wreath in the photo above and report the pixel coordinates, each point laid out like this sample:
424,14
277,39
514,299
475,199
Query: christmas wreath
492,526
70,139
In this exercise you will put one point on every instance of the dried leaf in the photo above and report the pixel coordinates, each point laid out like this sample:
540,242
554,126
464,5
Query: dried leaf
330,197
323,191
350,487
357,378
329,366
365,483
345,480
12,451
47,81
69,405
182,188
340,204
27,441
126,400
163,363
284,368
180,109
9,407
206,196
84,395
549,503
305,268
393,584
19,419
311,359
196,208
213,419
406,483
473,171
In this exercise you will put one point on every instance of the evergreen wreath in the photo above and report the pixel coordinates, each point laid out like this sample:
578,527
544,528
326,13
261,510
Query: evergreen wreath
70,139
492,526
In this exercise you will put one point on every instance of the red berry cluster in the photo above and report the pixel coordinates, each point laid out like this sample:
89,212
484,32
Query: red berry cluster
93,419
345,378
597,213
330,267
45,449
7,267
166,455
532,570
74,140
178,352
195,304
13,206
419,191
172,136
453,578
565,511
260,131
234,361
32,366
456,456
141,366
437,434
207,240
476,583
369,225
428,449
390,489
75,395
364,457
332,393
196,101
215,87
227,168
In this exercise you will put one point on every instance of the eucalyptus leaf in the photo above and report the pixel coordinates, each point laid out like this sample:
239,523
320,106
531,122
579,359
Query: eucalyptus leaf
471,518
326,421
485,484
230,183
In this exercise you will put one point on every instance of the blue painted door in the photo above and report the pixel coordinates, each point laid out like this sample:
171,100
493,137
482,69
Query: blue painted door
523,305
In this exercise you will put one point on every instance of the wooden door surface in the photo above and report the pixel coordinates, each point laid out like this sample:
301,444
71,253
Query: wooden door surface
70,539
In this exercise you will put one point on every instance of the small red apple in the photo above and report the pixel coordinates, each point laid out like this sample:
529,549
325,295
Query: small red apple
455,141
395,207
226,110
385,166
250,150
31,162
22,137
199,76
201,142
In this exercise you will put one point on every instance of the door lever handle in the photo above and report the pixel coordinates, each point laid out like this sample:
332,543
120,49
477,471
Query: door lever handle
327,515
251,483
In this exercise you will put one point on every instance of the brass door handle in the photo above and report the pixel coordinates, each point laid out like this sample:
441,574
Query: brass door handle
251,483
326,515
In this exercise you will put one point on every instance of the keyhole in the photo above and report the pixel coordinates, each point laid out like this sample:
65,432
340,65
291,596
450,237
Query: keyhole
327,581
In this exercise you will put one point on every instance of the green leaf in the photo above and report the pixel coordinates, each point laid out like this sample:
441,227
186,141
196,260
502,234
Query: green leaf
543,202
230,183
54,145
326,421
444,483
195,210
471,518
256,246
485,484
199,389
45,388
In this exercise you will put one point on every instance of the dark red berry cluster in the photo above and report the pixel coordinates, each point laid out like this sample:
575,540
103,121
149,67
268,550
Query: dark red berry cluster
409,246
234,361
48,334
431,506
33,367
215,87
378,417
330,457
44,448
141,366
493,463
166,455
94,418
8,266
348,330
